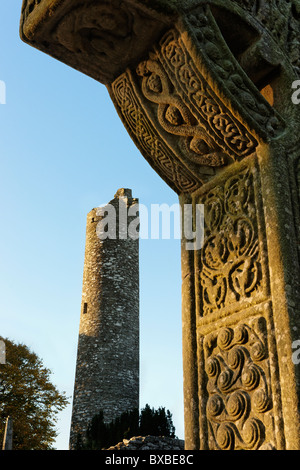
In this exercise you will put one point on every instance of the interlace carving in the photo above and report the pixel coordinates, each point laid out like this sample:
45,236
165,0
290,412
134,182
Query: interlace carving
238,387
187,107
230,258
225,69
186,112
176,106
147,139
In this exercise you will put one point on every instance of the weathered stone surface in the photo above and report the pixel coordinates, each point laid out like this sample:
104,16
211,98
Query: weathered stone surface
107,370
98,38
149,443
193,104
206,97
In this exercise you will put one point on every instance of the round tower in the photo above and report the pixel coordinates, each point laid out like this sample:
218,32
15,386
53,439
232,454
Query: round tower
107,368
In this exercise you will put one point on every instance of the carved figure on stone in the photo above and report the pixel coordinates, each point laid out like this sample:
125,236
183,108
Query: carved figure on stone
230,259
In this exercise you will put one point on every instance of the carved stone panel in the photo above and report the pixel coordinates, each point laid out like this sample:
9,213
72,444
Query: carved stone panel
239,404
226,68
97,37
188,78
194,95
281,19
232,262
187,107
147,139
241,394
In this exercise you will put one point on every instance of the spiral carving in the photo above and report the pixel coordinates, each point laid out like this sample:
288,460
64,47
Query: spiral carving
215,406
212,367
224,338
226,437
253,433
236,367
258,351
237,405
235,358
251,377
225,380
261,401
241,334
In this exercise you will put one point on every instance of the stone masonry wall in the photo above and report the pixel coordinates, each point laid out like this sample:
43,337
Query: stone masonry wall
107,371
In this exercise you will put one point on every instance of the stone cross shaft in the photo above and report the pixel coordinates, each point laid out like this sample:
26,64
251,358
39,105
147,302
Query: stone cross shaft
8,435
204,89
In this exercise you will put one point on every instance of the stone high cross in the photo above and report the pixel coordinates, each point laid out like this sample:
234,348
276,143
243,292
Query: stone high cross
204,89
8,435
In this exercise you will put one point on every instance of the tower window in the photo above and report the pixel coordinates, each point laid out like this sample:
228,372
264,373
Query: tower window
85,307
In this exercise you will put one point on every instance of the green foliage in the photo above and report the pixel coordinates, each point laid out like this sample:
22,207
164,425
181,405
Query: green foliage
101,435
29,398
156,422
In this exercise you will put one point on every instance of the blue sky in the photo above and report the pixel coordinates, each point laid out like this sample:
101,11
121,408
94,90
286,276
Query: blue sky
64,151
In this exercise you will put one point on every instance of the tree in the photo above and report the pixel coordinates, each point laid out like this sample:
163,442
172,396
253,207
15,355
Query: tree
101,435
156,422
29,398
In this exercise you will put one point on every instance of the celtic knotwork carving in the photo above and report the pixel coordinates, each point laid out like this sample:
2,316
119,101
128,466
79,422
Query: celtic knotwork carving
244,96
188,108
146,138
230,260
238,386
281,19
221,124
175,117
